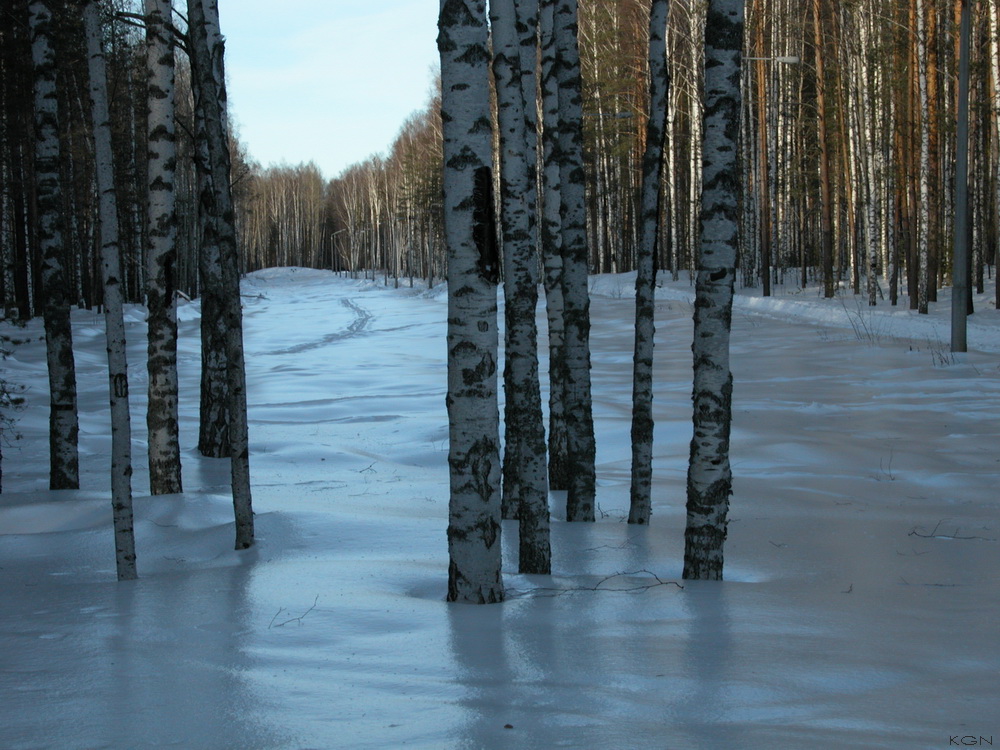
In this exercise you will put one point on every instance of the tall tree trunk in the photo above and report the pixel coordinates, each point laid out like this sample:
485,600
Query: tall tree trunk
525,489
994,66
645,281
826,206
114,322
924,220
551,244
208,70
473,272
709,483
161,258
580,502
214,397
64,460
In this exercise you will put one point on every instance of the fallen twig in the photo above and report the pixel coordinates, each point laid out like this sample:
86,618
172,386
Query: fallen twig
291,619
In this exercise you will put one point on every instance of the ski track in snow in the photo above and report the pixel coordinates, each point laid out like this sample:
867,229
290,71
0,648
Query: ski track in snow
362,320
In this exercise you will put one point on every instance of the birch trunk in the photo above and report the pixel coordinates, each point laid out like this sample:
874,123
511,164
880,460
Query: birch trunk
208,71
114,322
551,244
994,54
576,299
161,255
64,461
924,206
213,430
710,480
473,272
525,489
645,280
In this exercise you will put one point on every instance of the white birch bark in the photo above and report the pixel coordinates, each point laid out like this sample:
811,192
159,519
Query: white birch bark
924,205
474,442
64,462
580,501
114,322
645,280
709,482
208,70
551,246
525,488
161,255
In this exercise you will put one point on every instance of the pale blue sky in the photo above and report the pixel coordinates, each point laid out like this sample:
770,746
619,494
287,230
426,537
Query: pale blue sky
326,80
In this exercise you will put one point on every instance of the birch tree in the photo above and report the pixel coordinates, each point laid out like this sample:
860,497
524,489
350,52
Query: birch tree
64,461
924,179
550,236
114,322
473,272
524,470
645,280
161,255
709,482
208,70
578,407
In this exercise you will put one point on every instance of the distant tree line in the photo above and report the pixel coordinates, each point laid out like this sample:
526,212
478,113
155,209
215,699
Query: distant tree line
847,142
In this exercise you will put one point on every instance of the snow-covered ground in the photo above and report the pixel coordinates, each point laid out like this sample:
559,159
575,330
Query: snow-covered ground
861,603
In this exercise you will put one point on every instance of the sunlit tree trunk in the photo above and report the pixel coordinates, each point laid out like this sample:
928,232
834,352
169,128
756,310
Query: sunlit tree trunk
206,49
161,299
114,322
473,272
645,281
710,481
64,461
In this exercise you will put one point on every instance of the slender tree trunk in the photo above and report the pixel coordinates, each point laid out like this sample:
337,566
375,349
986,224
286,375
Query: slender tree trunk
473,272
994,65
208,70
924,221
645,280
826,206
214,397
121,433
580,502
64,461
525,489
709,473
161,258
551,243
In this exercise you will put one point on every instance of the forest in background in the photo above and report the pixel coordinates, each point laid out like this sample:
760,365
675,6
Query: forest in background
848,145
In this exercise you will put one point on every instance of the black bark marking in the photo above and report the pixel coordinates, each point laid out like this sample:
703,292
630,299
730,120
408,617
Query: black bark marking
484,228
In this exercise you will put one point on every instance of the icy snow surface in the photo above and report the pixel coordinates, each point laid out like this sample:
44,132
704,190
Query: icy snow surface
860,608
